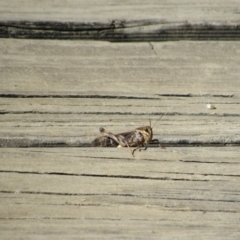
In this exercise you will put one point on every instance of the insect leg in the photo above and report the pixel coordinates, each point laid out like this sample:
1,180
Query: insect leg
145,147
140,148
109,134
156,140
132,152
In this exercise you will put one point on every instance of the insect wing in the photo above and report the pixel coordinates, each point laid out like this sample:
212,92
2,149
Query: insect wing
106,141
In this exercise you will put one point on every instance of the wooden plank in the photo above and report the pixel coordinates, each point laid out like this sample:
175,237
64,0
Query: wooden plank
121,30
28,122
194,106
45,93
55,93
104,10
167,227
225,158
76,68
76,191
128,21
29,130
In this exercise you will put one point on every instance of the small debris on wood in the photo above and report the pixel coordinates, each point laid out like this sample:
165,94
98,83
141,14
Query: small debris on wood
210,106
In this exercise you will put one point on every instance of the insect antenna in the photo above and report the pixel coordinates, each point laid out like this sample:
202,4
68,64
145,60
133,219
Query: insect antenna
158,120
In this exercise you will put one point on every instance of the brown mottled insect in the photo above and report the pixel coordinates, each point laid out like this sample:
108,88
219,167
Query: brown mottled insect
137,138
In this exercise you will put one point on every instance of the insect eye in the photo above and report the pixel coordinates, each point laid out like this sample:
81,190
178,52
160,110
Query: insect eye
146,129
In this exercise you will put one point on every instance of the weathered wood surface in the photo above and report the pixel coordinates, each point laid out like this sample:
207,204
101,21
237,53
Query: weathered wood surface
121,21
78,193
58,93
87,68
122,30
94,10
37,122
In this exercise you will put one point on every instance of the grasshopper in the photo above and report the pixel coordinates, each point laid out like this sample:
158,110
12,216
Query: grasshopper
138,138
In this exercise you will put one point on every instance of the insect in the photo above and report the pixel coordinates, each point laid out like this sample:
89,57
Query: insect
138,138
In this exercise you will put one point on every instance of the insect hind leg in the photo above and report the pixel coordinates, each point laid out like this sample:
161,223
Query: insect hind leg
140,148
132,152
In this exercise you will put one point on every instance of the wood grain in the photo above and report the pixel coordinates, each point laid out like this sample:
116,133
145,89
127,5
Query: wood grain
54,96
122,30
173,190
29,122
120,21
82,68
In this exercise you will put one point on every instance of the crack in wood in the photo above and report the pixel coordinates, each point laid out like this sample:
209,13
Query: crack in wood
209,162
26,95
64,204
153,49
196,95
18,95
121,195
120,30
127,176
204,211
56,26
123,113
64,143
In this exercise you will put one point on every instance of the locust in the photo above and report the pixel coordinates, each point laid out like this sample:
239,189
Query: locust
138,138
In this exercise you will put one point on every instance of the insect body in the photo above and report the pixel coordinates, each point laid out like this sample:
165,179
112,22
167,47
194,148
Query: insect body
138,138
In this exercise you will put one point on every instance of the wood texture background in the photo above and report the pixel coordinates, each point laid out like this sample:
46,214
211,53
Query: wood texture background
54,96
121,21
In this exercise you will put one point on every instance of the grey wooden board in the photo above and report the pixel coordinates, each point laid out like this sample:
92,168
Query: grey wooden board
88,68
76,122
75,193
58,93
121,21
105,10
121,30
